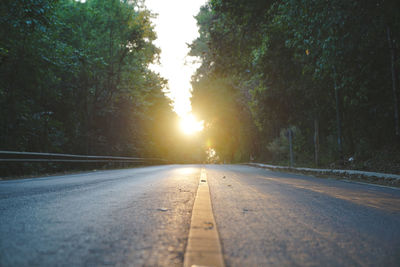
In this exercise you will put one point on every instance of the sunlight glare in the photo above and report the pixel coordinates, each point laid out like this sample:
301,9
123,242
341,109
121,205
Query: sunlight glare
175,64
190,125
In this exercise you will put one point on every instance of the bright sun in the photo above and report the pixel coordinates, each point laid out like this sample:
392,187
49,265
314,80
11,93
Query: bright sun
190,125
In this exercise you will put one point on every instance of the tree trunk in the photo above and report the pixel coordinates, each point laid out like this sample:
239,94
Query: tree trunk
393,58
338,118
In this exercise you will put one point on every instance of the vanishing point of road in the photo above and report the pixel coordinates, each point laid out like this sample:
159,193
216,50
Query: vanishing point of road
147,216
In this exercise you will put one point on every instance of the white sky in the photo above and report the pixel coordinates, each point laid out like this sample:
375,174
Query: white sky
175,26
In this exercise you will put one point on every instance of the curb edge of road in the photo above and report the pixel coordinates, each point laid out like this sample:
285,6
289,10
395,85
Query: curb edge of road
383,179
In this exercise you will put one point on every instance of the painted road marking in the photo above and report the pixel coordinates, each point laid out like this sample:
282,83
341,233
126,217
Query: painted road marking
204,246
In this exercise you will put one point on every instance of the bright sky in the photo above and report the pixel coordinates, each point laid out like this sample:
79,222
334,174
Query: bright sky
176,27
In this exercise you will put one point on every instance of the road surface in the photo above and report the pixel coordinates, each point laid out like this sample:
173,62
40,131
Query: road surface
142,216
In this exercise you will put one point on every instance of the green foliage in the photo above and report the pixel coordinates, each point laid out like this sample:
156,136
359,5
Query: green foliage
279,146
282,62
74,77
218,97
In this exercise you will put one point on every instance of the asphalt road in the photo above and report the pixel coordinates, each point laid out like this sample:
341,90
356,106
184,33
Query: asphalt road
132,217
141,217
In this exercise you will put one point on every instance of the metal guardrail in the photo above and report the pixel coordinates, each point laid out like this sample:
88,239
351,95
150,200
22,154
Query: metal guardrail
14,156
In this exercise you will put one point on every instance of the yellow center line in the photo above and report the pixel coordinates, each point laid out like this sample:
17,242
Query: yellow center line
204,246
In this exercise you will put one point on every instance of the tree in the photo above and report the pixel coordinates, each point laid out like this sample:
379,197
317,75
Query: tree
218,97
325,68
75,78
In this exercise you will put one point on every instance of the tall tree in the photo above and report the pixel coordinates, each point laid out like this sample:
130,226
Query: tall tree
75,77
305,63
